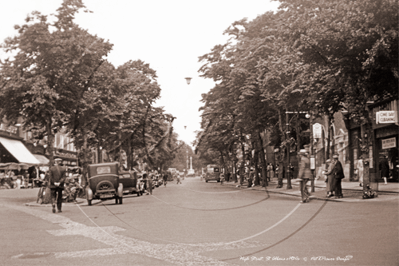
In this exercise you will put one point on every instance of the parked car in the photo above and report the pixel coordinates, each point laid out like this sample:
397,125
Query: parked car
212,173
103,182
130,183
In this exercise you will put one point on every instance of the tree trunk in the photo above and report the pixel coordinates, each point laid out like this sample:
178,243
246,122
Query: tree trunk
85,162
256,160
328,152
332,138
50,141
129,153
263,160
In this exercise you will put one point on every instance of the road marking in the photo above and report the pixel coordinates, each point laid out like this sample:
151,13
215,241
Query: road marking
271,227
224,192
178,253
224,209
173,253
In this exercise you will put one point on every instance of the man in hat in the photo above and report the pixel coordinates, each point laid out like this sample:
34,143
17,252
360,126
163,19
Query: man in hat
304,169
338,176
56,180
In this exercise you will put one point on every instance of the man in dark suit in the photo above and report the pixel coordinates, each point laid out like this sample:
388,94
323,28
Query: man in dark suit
56,181
338,176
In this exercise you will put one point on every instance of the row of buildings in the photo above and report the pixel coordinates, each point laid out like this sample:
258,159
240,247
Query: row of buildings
356,144
19,146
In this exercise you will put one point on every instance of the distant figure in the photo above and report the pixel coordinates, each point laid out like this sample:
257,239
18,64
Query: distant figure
178,179
384,167
165,179
360,171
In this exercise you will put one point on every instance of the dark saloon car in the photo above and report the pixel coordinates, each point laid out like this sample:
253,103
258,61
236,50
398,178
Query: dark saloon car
104,182
130,183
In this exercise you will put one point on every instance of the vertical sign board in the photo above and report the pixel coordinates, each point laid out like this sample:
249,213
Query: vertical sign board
388,143
317,131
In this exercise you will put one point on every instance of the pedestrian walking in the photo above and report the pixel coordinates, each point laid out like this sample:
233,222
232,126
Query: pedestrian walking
268,169
330,178
149,183
178,179
165,179
56,181
304,171
338,176
250,178
360,171
280,173
384,167
291,168
271,171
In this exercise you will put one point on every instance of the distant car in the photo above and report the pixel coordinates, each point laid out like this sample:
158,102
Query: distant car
130,183
212,173
103,182
190,172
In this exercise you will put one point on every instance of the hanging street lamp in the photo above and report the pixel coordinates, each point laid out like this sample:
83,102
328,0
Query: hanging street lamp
188,79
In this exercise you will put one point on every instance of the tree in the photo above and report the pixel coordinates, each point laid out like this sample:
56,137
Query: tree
50,69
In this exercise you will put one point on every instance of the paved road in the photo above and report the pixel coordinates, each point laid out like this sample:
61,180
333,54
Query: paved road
198,223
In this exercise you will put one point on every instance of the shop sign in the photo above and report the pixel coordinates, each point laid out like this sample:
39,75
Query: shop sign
317,128
9,129
386,117
388,143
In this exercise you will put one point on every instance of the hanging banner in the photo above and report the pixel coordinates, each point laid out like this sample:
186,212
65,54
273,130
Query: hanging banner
317,128
388,143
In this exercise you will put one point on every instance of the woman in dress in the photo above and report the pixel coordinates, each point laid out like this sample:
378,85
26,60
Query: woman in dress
330,178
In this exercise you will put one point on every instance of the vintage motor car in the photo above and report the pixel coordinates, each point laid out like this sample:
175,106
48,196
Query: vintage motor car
103,182
212,173
190,172
130,183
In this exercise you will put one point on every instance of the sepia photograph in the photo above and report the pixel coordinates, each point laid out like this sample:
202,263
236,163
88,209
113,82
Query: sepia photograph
196,133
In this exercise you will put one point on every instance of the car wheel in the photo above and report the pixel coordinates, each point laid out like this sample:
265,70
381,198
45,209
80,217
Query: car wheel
104,185
206,180
89,202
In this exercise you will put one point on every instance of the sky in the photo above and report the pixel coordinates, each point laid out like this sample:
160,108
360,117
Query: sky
170,35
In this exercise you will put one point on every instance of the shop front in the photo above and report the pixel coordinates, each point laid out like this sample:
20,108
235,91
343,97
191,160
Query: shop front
386,135
69,158
13,150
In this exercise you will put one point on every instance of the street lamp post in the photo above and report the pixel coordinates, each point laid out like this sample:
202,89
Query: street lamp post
312,157
288,151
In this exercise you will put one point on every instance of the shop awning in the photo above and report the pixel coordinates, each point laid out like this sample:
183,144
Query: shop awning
19,151
42,159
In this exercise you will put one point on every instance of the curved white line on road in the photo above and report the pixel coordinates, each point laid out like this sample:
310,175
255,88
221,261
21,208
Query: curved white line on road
225,209
271,227
234,191
222,243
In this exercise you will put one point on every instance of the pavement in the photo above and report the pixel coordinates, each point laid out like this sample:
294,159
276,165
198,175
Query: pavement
351,191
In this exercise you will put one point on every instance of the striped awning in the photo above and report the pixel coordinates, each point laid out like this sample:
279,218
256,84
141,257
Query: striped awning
19,151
